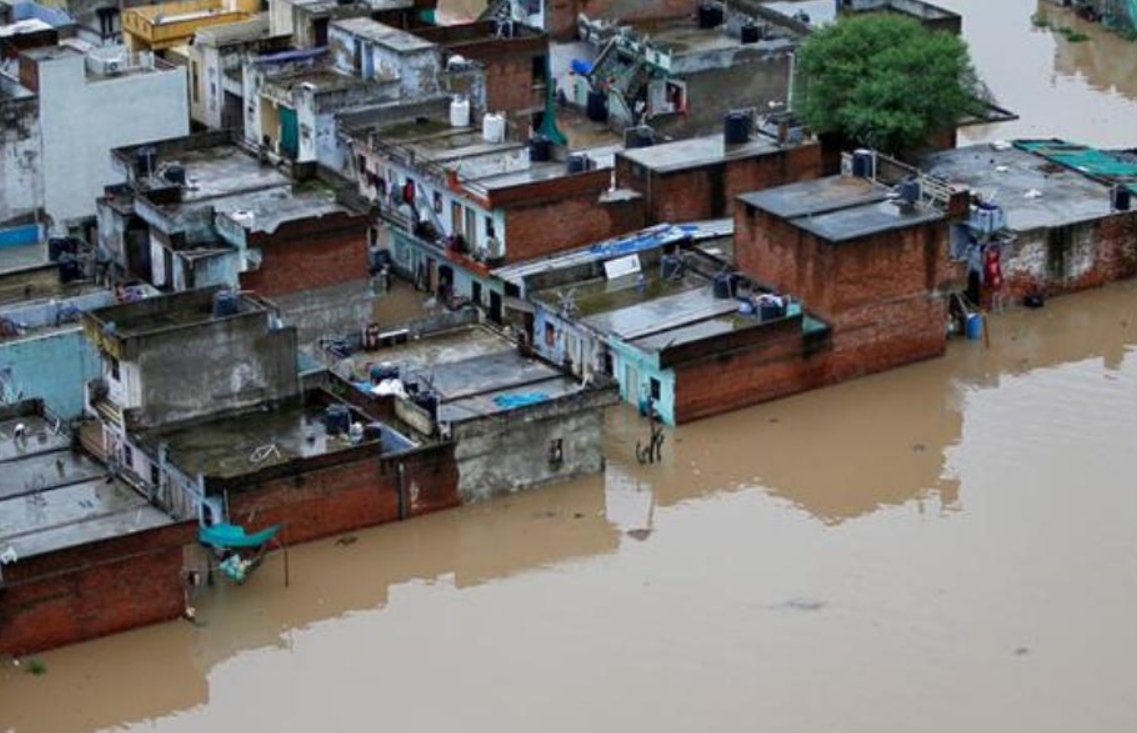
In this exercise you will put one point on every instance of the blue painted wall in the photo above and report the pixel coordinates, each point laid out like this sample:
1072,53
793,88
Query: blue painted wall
53,366
634,372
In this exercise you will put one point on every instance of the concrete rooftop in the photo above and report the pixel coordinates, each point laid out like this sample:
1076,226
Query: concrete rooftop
698,151
52,499
473,368
222,170
1033,191
264,211
227,448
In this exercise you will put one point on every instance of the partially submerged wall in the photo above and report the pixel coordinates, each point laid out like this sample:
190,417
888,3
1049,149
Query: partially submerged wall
93,590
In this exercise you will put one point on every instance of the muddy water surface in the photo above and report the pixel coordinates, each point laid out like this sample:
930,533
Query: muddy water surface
1079,91
947,547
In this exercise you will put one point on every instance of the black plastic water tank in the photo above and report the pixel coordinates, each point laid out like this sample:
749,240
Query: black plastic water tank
1121,198
710,15
175,174
724,286
577,163
540,149
337,419
750,33
736,128
226,303
863,164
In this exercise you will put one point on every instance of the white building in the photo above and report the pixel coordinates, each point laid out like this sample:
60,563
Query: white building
90,102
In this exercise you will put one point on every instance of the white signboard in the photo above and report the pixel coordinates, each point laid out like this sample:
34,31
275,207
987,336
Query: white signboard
622,266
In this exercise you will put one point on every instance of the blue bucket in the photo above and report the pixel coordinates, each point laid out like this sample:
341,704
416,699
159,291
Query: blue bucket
975,326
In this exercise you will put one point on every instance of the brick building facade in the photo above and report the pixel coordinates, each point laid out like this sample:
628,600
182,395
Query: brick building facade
699,179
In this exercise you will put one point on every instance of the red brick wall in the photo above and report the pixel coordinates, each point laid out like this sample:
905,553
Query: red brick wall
882,296
540,229
349,496
310,254
509,85
708,192
776,367
93,590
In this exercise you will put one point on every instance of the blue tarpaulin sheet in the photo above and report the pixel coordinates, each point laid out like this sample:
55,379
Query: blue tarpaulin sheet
232,535
523,399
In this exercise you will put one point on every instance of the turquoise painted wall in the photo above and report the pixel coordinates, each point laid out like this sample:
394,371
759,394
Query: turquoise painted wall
634,372
53,366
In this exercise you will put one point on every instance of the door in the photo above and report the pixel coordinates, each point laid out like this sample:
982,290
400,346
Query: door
232,115
289,133
495,307
476,292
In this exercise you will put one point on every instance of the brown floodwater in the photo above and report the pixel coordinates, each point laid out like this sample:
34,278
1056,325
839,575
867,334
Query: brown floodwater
950,546
1086,92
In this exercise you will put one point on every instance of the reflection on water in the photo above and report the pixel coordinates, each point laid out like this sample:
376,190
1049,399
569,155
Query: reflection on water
964,526
1078,91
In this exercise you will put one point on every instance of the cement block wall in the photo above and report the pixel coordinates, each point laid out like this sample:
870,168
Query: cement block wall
709,191
53,366
230,364
115,112
510,453
21,167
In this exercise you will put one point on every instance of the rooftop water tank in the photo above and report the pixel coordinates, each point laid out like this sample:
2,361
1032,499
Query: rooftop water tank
578,163
864,163
710,15
337,419
175,173
459,112
540,149
751,33
908,192
493,128
226,303
1121,198
736,128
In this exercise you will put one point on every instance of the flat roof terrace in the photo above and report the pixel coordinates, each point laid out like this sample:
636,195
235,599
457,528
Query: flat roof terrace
1033,192
475,372
237,446
221,170
699,151
53,499
683,37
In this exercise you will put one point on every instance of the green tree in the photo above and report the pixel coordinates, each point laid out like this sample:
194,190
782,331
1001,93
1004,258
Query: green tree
885,81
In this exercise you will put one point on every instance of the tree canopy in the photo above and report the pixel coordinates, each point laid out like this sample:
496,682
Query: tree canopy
884,81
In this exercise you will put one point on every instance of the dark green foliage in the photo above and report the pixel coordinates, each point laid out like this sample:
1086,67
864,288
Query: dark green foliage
885,81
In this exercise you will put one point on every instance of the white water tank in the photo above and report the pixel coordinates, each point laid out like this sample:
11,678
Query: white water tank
459,112
493,128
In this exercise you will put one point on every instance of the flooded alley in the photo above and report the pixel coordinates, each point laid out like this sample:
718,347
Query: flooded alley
945,547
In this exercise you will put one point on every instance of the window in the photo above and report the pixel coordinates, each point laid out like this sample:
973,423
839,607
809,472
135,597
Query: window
656,390
550,334
489,226
472,228
128,456
155,474
195,83
539,70
556,451
437,202
115,369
